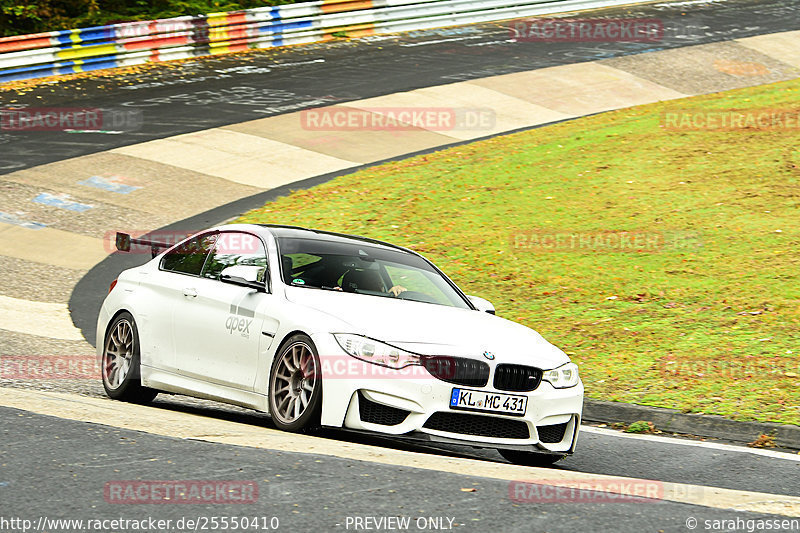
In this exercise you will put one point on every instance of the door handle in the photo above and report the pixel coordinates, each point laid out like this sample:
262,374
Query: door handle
191,293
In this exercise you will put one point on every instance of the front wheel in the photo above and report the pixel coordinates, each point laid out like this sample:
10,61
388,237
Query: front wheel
295,385
121,374
531,458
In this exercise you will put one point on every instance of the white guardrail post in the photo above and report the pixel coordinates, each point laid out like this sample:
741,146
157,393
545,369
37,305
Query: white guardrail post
133,43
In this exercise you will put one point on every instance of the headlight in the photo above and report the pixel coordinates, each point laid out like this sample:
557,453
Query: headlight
375,352
562,377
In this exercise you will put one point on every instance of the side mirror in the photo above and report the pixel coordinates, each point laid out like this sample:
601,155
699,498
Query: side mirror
251,276
481,304
123,242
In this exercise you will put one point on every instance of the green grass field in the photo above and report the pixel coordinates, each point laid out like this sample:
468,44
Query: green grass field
707,323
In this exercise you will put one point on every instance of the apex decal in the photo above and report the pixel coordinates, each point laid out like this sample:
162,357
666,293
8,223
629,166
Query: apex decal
235,323
240,318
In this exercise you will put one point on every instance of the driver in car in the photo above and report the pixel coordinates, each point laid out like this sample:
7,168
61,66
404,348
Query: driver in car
367,280
396,290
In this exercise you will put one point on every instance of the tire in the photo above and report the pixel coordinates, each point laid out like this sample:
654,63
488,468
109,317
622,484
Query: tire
531,458
295,385
120,362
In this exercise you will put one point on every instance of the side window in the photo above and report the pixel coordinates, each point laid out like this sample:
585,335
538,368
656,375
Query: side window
233,248
189,257
298,265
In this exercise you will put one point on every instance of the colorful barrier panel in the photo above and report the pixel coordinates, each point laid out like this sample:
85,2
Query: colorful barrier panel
134,43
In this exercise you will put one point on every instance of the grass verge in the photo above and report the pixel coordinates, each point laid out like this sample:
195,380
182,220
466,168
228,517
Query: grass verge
700,314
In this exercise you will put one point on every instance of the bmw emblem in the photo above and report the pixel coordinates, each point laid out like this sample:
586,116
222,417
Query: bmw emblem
489,356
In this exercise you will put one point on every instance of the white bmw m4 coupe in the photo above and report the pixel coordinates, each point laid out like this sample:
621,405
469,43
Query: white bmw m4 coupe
325,329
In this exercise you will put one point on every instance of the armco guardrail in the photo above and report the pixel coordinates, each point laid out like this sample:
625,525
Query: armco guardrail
133,43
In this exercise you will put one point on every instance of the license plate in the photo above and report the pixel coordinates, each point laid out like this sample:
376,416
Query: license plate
488,402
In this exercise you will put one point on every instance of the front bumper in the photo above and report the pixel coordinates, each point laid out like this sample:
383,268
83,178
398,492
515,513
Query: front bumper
412,404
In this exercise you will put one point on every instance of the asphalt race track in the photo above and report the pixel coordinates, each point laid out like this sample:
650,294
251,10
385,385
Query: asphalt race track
306,492
63,442
212,92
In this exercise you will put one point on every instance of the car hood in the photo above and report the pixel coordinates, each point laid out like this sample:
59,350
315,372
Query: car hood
432,329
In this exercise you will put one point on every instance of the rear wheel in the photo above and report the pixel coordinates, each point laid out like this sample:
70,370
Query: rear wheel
295,385
120,362
531,458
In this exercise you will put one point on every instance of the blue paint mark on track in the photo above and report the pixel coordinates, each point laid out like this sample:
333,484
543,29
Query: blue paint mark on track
61,201
108,184
9,218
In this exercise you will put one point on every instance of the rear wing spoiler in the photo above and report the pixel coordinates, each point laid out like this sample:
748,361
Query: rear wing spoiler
123,243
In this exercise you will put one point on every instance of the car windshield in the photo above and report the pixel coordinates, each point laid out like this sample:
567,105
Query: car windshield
361,268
